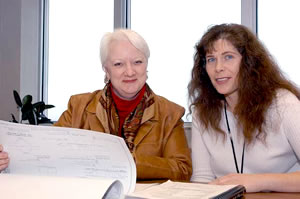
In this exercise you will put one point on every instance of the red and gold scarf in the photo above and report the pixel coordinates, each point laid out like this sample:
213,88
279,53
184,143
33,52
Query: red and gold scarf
133,120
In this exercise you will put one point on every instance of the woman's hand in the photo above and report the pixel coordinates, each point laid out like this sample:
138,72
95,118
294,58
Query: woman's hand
279,182
4,160
249,181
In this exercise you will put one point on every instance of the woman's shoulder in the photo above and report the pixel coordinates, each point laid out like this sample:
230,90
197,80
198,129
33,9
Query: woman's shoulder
285,101
85,97
166,108
87,94
166,103
286,97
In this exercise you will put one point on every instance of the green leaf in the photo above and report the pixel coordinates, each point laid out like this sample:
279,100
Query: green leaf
13,118
39,107
17,98
47,106
31,118
26,109
37,104
27,100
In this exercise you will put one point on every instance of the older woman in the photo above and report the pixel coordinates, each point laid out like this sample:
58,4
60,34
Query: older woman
246,114
150,125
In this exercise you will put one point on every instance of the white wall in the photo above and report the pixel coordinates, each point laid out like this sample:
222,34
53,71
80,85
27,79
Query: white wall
19,56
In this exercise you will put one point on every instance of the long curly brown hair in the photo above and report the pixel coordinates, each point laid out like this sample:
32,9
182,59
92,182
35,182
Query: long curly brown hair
259,77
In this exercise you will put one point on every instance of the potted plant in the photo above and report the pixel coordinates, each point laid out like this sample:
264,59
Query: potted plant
31,112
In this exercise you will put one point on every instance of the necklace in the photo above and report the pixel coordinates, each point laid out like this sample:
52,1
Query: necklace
232,145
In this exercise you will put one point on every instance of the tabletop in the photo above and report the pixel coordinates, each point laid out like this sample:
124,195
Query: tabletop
261,195
272,195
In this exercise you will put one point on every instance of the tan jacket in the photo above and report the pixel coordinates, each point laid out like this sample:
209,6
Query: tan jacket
161,150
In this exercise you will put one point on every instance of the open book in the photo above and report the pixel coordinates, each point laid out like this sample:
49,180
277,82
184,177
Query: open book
181,190
56,162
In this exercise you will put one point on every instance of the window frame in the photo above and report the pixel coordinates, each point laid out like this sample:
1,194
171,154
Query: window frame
122,19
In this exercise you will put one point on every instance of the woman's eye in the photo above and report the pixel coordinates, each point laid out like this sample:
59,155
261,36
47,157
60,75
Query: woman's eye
117,64
138,62
228,57
210,59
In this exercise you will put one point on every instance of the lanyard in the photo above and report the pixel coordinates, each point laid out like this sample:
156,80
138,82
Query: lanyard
232,145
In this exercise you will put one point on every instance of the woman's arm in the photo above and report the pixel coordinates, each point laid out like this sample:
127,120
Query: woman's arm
202,171
65,120
279,182
289,108
4,160
166,159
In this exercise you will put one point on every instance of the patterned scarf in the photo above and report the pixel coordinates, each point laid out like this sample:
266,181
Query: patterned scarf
132,121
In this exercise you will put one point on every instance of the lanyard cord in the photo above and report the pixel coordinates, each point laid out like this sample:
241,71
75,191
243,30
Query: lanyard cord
232,145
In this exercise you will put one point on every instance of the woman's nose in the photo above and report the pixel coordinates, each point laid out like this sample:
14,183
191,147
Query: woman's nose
219,65
129,70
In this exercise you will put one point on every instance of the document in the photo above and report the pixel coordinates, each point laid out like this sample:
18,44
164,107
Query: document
18,186
181,190
66,156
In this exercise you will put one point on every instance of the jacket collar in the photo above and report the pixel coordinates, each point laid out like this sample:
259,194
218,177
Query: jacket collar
92,106
95,107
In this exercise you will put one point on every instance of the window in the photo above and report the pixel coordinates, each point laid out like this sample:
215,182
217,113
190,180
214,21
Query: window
172,28
75,30
279,30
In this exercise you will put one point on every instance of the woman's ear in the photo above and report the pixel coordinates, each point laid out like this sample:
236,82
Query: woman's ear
106,79
106,76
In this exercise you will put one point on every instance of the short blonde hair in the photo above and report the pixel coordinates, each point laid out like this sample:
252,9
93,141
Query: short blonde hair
123,34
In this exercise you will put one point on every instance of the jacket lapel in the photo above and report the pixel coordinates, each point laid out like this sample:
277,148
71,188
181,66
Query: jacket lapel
102,117
97,112
147,124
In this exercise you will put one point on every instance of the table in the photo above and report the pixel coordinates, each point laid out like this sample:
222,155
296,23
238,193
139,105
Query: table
269,195
272,195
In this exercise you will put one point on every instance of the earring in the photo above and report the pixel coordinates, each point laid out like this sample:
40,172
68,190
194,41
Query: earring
106,79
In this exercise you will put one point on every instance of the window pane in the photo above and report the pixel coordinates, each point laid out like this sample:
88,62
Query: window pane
278,28
75,30
172,28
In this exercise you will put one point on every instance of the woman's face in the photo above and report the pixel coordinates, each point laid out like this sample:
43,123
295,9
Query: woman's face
222,66
126,67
